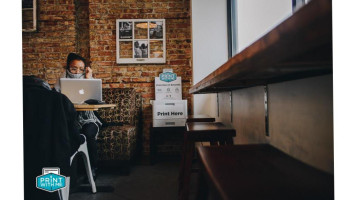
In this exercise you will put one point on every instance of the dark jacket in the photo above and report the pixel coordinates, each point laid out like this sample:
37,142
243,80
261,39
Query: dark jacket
51,134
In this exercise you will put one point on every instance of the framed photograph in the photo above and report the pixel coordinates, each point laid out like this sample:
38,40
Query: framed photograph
141,49
125,30
140,41
156,31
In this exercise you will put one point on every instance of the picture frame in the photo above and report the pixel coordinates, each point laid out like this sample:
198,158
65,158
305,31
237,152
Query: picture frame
140,41
29,15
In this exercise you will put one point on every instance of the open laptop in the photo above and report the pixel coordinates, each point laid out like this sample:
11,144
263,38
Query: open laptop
80,90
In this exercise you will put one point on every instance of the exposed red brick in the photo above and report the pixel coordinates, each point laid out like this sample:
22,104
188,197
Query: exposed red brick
45,51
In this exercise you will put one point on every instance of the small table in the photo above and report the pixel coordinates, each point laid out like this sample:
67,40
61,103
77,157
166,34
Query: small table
259,172
216,133
87,107
200,118
161,134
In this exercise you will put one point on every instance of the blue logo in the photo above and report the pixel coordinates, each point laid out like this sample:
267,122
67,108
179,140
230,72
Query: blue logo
49,181
168,77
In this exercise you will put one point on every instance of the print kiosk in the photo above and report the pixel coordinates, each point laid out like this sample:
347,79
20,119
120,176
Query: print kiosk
169,109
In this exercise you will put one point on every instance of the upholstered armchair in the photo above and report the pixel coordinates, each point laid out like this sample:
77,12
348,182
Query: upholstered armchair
117,140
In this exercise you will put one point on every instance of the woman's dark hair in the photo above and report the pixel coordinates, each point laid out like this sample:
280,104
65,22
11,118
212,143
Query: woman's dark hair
73,56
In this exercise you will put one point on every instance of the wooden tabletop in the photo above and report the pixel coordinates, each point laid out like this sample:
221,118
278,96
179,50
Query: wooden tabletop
199,131
208,126
200,118
86,107
263,172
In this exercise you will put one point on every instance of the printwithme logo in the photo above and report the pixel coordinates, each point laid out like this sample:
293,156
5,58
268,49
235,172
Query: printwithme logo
168,76
50,180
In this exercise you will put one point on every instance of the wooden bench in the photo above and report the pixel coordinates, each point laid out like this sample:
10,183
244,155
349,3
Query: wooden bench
214,132
259,172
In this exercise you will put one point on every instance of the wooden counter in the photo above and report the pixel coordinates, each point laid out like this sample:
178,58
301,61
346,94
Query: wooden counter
299,47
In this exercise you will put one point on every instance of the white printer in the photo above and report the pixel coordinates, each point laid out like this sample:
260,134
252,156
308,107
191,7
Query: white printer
169,109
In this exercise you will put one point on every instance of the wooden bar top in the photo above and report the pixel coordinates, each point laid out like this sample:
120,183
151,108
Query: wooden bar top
263,172
299,47
87,107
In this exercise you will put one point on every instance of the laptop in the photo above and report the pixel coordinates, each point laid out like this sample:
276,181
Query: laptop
80,90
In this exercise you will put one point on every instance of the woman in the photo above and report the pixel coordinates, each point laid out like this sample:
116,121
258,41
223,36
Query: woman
89,123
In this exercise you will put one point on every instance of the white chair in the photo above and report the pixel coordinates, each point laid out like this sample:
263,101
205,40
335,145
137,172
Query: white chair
64,193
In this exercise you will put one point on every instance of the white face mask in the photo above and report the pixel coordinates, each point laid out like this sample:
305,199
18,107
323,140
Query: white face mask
71,75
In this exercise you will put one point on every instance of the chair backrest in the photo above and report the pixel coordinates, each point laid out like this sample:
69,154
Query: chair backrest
125,110
50,134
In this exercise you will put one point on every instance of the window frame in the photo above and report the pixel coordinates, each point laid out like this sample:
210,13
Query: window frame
232,28
34,17
135,60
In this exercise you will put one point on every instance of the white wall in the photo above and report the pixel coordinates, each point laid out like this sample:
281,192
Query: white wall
209,33
257,17
209,36
301,120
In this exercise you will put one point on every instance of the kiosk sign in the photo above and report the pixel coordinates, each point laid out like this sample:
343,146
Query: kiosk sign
168,86
168,77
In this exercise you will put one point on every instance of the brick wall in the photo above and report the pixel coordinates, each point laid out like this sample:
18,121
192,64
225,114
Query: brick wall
82,28
45,51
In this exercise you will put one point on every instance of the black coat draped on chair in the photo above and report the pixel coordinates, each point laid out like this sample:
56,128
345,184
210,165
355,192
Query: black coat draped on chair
51,134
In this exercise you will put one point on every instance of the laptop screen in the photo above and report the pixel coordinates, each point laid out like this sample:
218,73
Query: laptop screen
80,90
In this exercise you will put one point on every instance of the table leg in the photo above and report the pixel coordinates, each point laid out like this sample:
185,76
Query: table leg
229,141
153,146
182,163
189,153
203,188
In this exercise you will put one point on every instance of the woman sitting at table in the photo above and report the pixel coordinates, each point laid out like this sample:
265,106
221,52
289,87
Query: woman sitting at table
90,124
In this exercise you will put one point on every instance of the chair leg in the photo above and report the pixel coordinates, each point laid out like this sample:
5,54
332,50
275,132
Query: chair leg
203,188
64,193
61,194
83,148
